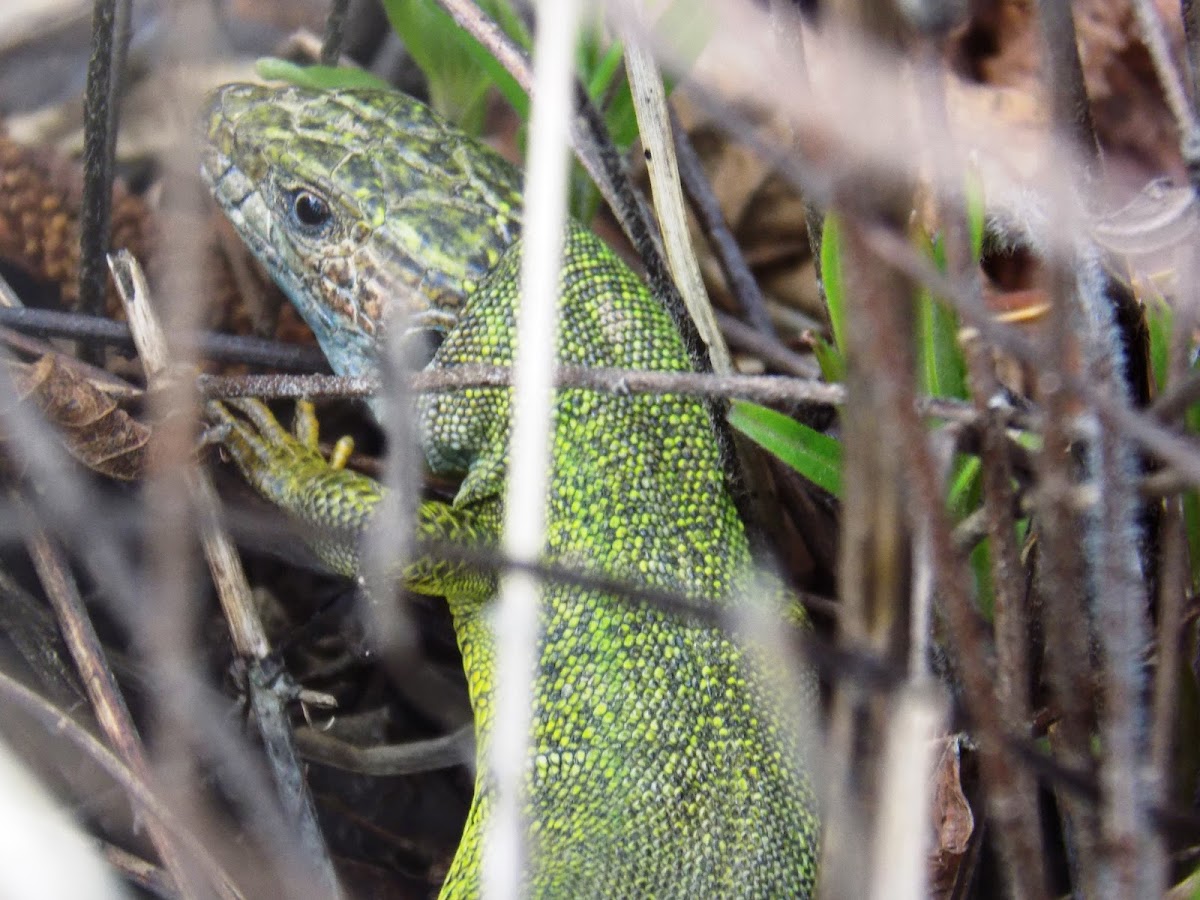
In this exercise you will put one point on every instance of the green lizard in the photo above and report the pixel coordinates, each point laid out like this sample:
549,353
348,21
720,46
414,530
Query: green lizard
659,764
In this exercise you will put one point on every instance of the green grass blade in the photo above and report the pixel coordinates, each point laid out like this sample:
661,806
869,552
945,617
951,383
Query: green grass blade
976,214
458,68
965,492
323,78
830,359
814,455
831,275
943,370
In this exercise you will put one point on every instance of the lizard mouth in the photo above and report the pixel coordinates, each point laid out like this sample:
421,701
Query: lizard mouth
240,200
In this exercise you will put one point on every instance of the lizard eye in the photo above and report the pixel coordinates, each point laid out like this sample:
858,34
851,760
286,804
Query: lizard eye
309,212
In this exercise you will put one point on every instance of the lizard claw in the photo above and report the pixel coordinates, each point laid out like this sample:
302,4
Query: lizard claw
275,461
213,436
307,430
305,426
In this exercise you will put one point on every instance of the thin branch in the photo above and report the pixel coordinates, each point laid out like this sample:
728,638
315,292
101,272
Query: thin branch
1179,395
716,230
233,591
1172,591
1011,792
768,348
335,30
59,724
768,389
475,22
1062,75
100,683
970,647
1062,570
211,345
122,36
1191,34
96,212
1120,605
875,573
387,760
150,878
654,125
1174,581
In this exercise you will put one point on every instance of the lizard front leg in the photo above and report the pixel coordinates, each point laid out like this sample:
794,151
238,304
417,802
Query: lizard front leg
334,505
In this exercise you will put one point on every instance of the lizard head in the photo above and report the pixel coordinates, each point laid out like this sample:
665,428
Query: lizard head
362,204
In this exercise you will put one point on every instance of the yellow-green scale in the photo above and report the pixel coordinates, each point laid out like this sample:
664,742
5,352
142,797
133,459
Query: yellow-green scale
658,764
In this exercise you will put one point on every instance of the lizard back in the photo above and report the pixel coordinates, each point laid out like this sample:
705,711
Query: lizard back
659,763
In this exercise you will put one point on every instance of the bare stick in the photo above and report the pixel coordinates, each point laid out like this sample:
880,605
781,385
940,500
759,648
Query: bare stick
704,204
654,124
1011,792
412,758
97,154
100,684
57,722
246,629
769,389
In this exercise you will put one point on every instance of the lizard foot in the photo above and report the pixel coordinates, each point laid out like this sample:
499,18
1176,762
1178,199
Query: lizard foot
288,469
280,464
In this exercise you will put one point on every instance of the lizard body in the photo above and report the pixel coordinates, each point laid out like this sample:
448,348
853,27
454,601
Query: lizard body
659,763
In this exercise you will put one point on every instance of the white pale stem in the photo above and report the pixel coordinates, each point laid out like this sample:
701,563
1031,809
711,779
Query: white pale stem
903,827
529,452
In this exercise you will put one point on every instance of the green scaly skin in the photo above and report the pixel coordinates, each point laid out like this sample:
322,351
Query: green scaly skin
659,763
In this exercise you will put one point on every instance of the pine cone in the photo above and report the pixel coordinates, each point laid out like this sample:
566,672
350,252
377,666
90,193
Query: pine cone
39,218
40,201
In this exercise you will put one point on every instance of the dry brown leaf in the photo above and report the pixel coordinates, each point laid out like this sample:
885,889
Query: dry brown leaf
767,216
93,428
1001,47
953,821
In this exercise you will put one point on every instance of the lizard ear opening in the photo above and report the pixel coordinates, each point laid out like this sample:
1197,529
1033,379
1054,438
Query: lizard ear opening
419,346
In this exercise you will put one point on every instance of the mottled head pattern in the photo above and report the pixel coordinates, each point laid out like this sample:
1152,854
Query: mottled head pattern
362,205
